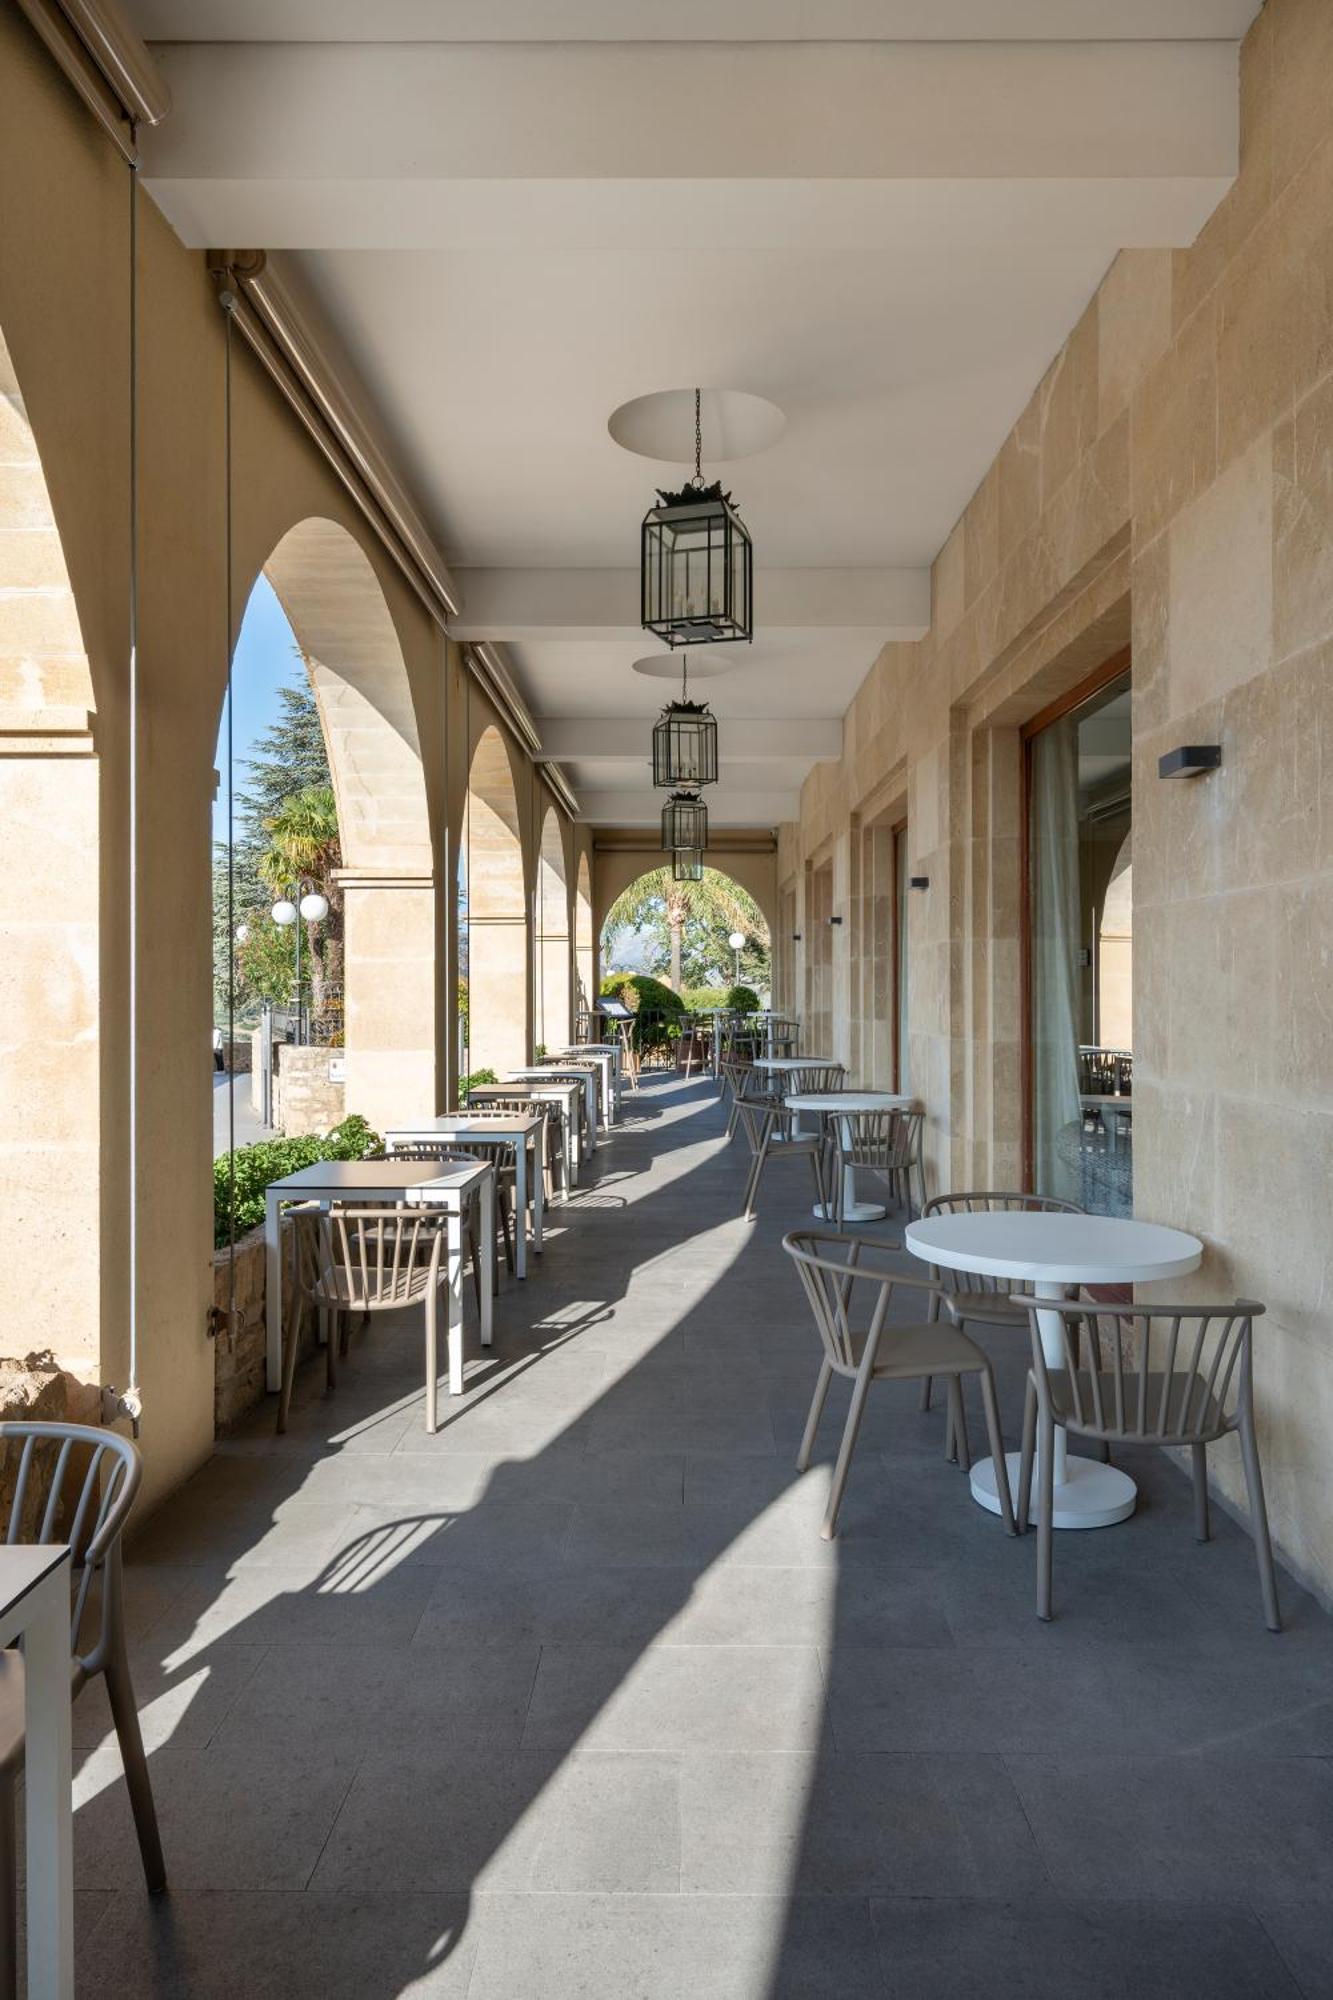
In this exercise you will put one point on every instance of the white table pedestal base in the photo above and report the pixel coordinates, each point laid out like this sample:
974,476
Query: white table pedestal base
853,1211
1091,1494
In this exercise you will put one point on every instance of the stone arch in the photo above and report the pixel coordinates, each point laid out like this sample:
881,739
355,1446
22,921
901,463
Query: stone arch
585,969
336,606
50,932
634,874
551,986
497,915
1115,954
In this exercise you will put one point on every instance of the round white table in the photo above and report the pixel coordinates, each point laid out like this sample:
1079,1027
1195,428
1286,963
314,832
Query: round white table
831,1103
1057,1253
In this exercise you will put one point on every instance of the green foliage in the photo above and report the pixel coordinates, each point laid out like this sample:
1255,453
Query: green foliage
651,992
742,1000
685,926
465,1083
703,999
271,1159
287,760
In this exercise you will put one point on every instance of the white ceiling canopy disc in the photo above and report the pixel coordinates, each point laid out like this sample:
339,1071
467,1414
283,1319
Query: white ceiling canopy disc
702,666
734,423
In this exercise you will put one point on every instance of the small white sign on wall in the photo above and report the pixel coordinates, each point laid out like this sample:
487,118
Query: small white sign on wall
337,1069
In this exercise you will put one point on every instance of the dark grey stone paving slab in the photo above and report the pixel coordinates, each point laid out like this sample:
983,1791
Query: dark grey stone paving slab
573,1698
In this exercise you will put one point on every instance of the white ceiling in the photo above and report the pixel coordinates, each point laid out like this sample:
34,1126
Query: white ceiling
543,208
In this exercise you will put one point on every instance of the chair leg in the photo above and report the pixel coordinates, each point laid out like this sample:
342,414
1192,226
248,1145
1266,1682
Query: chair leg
1263,1547
9,1891
125,1715
1045,1512
996,1440
845,1450
958,1425
289,1363
926,1384
816,1412
1026,1455
1199,1469
756,1169
432,1366
821,1192
332,1332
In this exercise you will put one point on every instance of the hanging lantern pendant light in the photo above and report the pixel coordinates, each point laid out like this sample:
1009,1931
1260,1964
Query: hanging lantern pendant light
685,740
684,822
687,865
696,562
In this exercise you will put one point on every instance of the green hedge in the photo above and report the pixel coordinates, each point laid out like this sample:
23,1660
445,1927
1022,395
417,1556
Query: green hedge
656,1007
742,1000
703,999
268,1161
465,1083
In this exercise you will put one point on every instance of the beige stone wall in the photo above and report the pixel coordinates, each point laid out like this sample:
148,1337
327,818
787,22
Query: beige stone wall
311,1095
1171,481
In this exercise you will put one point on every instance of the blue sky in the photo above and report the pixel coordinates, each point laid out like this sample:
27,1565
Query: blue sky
265,660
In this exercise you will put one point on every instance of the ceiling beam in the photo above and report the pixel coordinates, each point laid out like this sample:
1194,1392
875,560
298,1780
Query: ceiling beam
586,739
591,604
353,113
643,807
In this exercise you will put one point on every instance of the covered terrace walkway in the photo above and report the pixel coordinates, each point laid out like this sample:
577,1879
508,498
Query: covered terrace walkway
572,1699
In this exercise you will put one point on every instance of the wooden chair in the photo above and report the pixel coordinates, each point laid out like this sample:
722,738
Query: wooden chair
839,1287
1167,1375
75,1484
375,1259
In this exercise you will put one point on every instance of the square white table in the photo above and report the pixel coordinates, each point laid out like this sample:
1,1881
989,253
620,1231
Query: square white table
35,1607
588,1079
475,1132
831,1103
1057,1253
386,1180
607,1061
569,1096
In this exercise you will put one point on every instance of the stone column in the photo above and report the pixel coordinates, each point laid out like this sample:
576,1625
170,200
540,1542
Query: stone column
389,986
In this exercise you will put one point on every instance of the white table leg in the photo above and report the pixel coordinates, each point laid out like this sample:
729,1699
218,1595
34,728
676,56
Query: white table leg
49,1790
590,1099
538,1189
573,1143
521,1208
1087,1494
487,1258
273,1291
454,1252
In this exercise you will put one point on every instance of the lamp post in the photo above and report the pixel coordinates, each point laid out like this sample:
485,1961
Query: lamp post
302,901
737,943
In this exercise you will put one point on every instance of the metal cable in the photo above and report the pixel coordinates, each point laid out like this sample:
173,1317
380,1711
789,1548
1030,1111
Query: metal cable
131,1402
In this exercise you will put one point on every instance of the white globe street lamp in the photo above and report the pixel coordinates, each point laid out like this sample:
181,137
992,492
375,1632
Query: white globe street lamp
284,913
737,943
313,909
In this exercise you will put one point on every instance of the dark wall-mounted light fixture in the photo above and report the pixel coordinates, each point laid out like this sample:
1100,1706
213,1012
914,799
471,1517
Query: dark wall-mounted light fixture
796,937
835,920
919,882
1191,760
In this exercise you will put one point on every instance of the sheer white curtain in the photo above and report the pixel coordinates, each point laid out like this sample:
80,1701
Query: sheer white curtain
1056,1112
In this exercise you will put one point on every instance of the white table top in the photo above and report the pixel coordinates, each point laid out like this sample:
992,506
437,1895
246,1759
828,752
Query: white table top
797,1062
554,1072
527,1083
1055,1248
476,1124
847,1100
22,1568
359,1176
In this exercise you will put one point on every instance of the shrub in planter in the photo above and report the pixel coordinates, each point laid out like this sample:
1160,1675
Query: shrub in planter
703,999
742,1000
465,1083
270,1159
652,1003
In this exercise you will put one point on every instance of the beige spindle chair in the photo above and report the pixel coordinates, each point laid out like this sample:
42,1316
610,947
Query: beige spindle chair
550,1147
75,1484
736,1073
503,1159
888,1143
372,1259
1167,1375
843,1290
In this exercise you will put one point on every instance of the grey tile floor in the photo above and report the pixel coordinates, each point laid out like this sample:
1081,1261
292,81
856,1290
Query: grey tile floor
572,1699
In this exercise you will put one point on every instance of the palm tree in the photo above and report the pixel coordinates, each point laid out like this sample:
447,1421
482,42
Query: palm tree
304,846
657,897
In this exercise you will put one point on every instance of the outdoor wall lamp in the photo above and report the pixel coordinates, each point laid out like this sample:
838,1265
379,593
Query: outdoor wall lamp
1191,760
918,882
835,920
796,937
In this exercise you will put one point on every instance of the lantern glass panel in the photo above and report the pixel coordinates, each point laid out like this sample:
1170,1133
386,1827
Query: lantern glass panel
684,822
687,865
685,745
697,573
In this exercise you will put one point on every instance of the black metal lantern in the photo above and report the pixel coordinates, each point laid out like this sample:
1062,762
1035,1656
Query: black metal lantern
685,741
687,865
696,563
684,821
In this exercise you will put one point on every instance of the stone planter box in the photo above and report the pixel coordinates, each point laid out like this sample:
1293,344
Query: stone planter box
309,1095
238,1363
